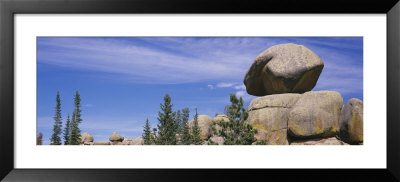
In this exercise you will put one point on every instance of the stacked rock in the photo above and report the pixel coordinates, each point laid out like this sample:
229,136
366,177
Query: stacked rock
288,111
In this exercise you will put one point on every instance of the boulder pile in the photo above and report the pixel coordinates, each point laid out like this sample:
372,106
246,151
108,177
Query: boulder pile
288,112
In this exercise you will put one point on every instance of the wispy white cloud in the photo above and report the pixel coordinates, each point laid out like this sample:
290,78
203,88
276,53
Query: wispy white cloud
240,87
188,60
87,105
240,93
224,85
204,59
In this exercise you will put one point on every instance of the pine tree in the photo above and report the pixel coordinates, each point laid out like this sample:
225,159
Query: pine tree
186,137
166,127
196,131
67,131
185,117
147,135
178,121
76,120
39,139
55,137
236,131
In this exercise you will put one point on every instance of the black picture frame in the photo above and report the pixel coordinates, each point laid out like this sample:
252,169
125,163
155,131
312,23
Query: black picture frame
8,8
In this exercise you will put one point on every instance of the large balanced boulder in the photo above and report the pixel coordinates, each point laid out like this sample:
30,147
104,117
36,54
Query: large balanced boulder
205,123
116,137
351,122
86,138
315,114
268,115
283,68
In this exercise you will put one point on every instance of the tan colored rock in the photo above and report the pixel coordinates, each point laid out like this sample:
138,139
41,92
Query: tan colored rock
277,100
205,123
268,115
115,137
102,143
86,138
217,139
351,122
283,68
315,114
217,119
221,117
277,137
133,141
116,143
323,141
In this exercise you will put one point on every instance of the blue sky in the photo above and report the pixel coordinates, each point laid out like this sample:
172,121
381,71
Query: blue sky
123,80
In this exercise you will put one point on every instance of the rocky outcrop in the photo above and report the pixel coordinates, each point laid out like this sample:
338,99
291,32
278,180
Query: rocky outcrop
86,138
221,117
284,68
323,141
308,118
217,119
205,123
133,141
315,114
116,137
269,115
218,140
351,122
102,143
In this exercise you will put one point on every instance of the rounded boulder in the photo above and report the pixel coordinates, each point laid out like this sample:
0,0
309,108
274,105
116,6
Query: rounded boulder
205,123
351,122
116,137
283,68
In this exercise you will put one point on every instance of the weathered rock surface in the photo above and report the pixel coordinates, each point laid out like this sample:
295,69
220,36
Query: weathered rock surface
205,123
277,100
218,118
86,138
115,137
323,141
284,68
221,117
315,114
351,122
269,115
133,141
217,139
102,143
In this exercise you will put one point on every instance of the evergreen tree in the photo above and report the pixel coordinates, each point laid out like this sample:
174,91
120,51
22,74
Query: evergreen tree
186,137
196,131
76,120
67,131
236,131
147,135
166,126
185,117
178,121
39,139
55,137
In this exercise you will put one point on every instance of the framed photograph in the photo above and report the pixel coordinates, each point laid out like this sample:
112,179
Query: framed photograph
129,90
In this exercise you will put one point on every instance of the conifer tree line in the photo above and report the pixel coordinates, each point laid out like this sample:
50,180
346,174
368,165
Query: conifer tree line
173,127
71,133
